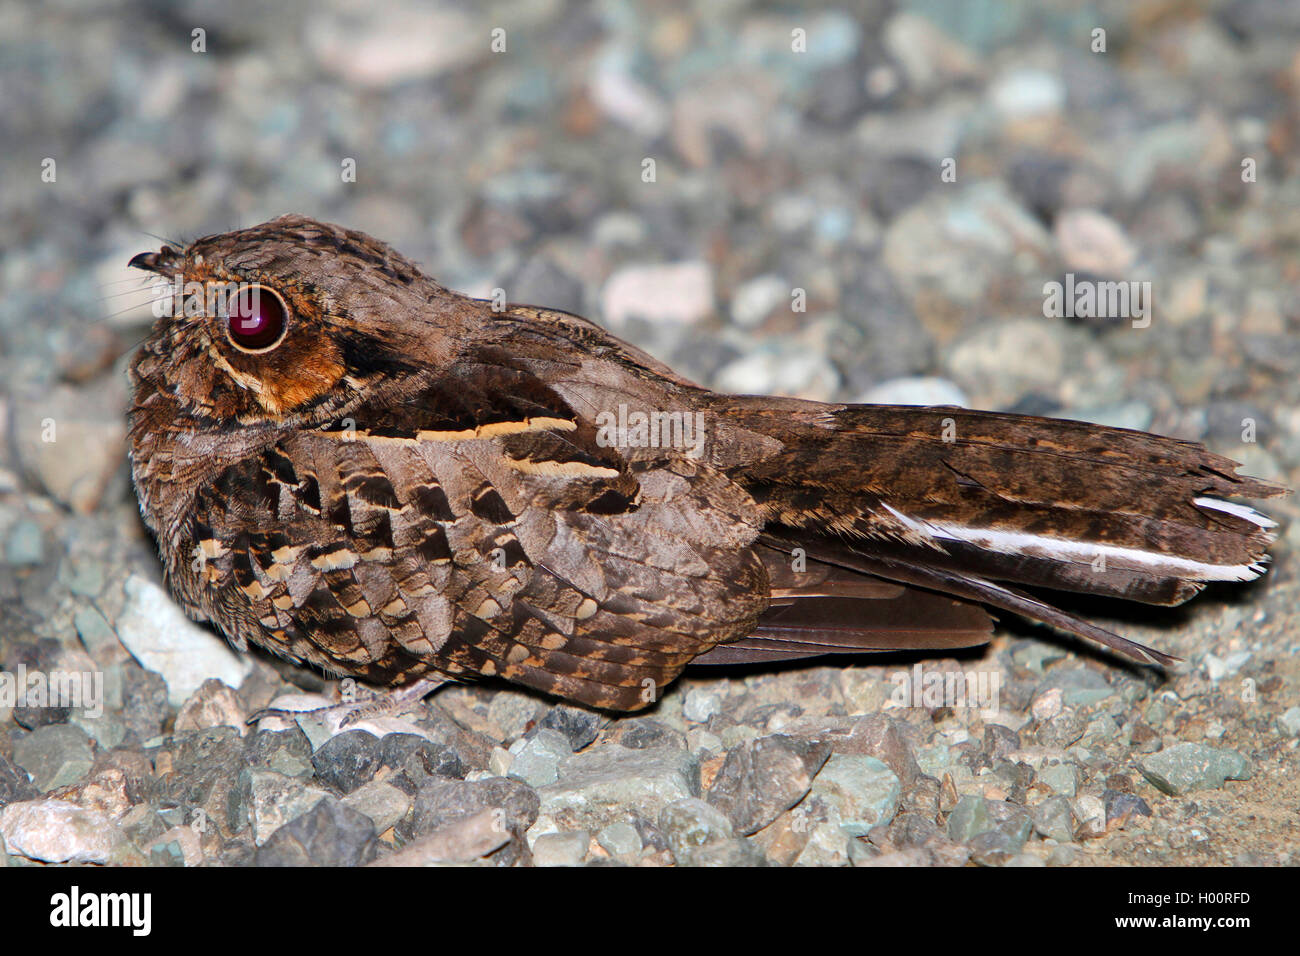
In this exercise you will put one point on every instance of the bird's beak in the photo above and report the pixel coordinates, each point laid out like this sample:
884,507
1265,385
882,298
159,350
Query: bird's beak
152,261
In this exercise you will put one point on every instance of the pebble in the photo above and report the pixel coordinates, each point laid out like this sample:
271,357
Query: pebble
863,790
287,752
55,755
25,544
561,849
1063,778
915,390
1063,855
165,641
691,826
96,634
1092,242
596,786
348,761
1061,731
1002,361
1054,819
700,705
1188,767
761,779
1090,811
1021,93
579,725
55,831
329,834
214,704
1289,723
679,292
1121,807
1217,668
441,801
413,759
1048,704
537,760
758,298
271,800
78,467
620,840
383,803
460,839
15,783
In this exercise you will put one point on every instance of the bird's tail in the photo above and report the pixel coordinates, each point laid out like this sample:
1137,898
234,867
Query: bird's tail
974,503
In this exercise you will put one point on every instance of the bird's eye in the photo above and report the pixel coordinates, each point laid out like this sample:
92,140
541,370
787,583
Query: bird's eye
256,319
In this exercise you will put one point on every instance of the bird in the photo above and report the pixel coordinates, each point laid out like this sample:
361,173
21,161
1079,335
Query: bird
356,468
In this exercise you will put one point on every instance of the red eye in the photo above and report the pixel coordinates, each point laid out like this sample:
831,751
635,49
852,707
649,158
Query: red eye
255,319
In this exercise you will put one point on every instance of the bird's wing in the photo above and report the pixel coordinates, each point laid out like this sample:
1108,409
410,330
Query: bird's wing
478,527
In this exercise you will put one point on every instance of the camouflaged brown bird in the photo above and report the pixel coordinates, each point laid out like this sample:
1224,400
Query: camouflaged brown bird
353,466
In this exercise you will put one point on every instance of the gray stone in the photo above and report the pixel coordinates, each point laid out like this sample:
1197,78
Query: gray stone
348,760
969,818
88,431
537,761
763,778
1187,767
329,834
863,790
1064,855
579,725
284,751
700,705
214,704
1080,686
159,635
1000,741
144,701
1121,807
758,298
689,825
271,800
200,775
383,803
441,801
417,759
561,849
1054,819
915,390
55,831
1063,778
83,574
55,755
15,783
620,840
1061,731
96,635
596,786
25,544
1289,723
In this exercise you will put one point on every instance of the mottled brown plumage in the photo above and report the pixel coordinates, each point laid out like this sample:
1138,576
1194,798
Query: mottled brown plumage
400,482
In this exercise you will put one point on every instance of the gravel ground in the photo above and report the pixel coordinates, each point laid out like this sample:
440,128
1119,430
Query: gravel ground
839,205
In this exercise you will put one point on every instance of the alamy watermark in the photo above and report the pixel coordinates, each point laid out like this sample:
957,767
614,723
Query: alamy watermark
1097,299
925,687
635,428
78,690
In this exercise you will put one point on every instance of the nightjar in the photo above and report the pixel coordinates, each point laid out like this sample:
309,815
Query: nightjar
352,466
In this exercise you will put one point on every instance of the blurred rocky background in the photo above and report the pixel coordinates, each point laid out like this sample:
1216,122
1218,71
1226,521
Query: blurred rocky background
855,203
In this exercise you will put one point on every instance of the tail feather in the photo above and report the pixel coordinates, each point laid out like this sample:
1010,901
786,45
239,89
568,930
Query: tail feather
965,502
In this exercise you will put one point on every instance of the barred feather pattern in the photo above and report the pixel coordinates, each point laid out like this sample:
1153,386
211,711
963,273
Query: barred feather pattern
410,484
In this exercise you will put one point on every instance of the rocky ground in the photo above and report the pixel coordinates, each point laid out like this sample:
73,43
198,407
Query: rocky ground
850,206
